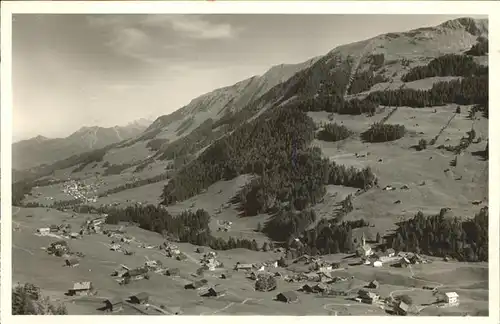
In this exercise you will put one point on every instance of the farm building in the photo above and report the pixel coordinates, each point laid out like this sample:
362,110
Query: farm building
215,291
307,288
113,305
402,308
287,297
373,284
140,298
451,298
136,272
367,296
43,231
241,266
173,272
197,284
225,276
72,262
81,289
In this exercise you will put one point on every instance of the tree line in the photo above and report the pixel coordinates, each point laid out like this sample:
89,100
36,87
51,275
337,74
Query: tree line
446,65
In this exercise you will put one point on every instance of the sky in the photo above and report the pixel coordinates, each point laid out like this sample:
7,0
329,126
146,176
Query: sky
74,70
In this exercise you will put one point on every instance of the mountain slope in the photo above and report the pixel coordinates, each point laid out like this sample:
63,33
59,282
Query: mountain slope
41,150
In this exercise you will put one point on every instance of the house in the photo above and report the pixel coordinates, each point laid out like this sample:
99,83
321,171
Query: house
215,291
72,262
135,272
319,288
43,231
287,297
113,305
225,276
402,308
81,288
367,296
197,284
173,272
451,298
140,298
243,266
54,228
377,264
306,288
373,284
390,252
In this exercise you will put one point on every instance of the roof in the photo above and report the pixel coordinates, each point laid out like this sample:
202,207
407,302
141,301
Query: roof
403,306
142,296
84,285
72,261
244,265
451,294
289,295
218,288
114,301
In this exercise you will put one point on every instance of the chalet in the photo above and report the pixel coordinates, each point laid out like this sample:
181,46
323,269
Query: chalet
81,289
197,284
402,308
173,272
451,298
367,296
72,262
225,276
287,297
242,266
43,230
113,305
319,288
136,272
307,288
215,291
373,284
140,298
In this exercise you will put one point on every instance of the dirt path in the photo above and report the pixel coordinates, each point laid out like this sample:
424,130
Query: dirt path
22,249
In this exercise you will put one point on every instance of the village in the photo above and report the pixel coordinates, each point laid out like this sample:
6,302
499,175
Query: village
308,275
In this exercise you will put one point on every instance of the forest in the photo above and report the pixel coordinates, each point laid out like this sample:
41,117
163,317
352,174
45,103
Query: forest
188,227
446,65
440,235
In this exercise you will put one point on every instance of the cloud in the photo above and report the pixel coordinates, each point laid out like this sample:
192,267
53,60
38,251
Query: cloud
157,38
193,26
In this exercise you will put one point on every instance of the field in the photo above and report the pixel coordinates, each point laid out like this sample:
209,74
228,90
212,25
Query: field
469,280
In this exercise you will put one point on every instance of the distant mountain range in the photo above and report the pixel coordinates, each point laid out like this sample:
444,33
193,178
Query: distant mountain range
42,150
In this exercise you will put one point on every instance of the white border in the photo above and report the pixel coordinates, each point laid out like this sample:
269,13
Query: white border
490,8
